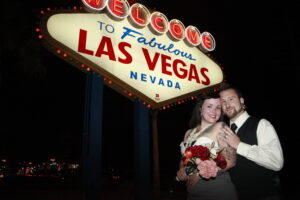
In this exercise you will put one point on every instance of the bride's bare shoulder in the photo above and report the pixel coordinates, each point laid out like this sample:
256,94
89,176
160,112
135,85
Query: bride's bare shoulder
214,129
188,132
219,124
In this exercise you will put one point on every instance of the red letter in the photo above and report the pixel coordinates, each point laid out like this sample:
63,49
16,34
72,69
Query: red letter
117,7
94,3
137,16
165,64
128,58
193,73
82,43
193,36
207,41
202,71
176,29
110,50
158,21
151,64
176,71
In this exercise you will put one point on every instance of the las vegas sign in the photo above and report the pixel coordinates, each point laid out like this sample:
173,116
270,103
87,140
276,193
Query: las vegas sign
142,54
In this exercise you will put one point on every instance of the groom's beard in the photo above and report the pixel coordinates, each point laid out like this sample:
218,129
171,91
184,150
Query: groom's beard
232,112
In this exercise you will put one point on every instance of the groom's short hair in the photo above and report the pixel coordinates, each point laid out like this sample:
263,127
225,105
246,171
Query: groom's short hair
227,86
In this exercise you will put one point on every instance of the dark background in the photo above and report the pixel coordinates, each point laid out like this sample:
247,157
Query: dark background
42,96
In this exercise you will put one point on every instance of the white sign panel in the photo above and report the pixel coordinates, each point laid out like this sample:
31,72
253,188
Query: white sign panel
157,66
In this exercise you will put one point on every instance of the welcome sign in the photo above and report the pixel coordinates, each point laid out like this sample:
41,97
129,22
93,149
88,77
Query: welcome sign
143,55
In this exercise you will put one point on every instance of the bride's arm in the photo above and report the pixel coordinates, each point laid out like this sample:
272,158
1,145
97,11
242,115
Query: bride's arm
181,174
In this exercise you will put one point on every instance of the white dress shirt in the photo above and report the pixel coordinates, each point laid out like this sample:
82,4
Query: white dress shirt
268,151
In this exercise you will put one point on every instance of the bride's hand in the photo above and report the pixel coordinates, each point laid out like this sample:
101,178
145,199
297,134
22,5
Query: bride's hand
192,180
181,174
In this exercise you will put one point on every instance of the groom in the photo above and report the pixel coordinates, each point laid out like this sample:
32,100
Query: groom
259,153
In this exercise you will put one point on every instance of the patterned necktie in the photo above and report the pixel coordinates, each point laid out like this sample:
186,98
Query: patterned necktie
233,127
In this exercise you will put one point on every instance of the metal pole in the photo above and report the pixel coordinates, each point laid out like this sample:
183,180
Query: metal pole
92,137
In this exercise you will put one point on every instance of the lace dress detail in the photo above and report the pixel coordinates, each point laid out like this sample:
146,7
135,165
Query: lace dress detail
191,138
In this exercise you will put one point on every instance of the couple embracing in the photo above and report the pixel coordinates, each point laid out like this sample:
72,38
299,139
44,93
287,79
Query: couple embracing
250,149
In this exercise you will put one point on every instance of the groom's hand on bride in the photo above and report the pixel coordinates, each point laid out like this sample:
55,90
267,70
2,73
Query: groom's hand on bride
229,137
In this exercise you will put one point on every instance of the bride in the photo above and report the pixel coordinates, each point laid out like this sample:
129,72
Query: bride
205,130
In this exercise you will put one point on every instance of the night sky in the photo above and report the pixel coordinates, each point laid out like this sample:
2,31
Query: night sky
42,96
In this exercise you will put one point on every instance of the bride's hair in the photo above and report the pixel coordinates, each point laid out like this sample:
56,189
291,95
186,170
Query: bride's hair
196,114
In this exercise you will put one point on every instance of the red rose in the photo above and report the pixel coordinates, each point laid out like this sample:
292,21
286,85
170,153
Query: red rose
188,154
199,152
221,161
185,161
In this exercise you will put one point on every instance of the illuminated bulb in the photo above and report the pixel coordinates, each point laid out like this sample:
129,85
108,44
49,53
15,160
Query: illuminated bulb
83,65
37,30
40,36
48,9
58,51
130,94
74,8
88,69
65,55
42,12
109,82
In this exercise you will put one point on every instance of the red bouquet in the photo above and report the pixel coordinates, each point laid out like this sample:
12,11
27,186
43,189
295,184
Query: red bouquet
203,160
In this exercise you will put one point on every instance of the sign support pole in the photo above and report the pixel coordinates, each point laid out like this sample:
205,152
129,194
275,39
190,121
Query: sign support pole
92,137
142,152
155,152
